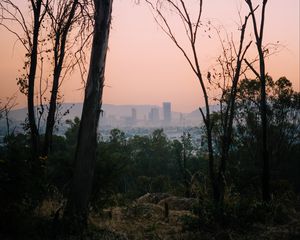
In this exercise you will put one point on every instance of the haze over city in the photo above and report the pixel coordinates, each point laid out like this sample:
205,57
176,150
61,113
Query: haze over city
144,66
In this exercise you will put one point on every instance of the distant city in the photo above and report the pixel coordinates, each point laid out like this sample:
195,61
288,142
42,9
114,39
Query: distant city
156,117
132,119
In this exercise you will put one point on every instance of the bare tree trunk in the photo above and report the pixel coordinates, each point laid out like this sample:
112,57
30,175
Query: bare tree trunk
59,56
266,166
230,112
211,164
29,38
191,27
263,97
31,77
76,211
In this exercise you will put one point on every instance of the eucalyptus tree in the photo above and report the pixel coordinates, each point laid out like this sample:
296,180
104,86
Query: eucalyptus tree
76,211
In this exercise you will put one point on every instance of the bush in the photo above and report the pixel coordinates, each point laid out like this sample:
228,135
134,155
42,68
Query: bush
21,184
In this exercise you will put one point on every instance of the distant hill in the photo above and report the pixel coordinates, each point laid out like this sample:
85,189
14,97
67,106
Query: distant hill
196,113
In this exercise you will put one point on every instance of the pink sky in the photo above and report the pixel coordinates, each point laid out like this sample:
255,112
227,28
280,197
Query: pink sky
144,67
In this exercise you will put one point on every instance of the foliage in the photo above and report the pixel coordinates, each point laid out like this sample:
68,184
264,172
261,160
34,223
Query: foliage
22,185
283,129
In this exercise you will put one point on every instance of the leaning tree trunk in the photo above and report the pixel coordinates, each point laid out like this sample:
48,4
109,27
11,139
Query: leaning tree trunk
76,212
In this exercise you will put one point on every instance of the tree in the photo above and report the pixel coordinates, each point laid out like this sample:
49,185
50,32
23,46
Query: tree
62,20
11,12
183,153
283,127
5,110
76,211
72,132
60,30
261,75
191,28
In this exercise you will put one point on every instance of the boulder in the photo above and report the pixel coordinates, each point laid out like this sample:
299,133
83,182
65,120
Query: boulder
153,198
144,210
179,203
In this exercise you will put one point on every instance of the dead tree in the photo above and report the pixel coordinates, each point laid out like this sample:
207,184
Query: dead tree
76,211
29,38
62,17
56,30
261,75
191,28
231,64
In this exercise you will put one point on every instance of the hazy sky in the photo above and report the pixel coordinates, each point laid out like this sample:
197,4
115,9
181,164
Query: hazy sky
144,67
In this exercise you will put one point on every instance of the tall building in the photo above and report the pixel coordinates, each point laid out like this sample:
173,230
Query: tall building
167,112
154,115
133,115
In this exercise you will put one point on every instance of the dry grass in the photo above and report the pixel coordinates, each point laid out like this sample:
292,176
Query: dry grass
146,222
142,221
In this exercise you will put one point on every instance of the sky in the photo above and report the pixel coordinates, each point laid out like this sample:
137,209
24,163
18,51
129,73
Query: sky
145,67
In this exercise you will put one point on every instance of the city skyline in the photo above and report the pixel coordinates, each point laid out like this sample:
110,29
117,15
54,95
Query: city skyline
124,117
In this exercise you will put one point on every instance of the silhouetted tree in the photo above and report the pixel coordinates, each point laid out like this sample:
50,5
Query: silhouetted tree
76,211
231,63
283,118
59,28
261,75
29,38
191,54
62,17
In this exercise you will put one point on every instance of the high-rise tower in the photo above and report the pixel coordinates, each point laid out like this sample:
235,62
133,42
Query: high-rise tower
154,115
167,112
133,115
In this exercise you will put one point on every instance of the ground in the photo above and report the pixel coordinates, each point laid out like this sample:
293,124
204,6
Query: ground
147,221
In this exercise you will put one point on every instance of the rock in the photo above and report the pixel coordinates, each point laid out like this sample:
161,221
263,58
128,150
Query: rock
179,203
153,198
119,214
144,210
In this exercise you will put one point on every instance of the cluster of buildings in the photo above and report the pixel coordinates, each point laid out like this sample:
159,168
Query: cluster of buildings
131,119
153,116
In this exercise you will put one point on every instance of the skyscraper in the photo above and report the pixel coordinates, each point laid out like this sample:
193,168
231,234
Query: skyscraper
154,115
133,115
167,112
